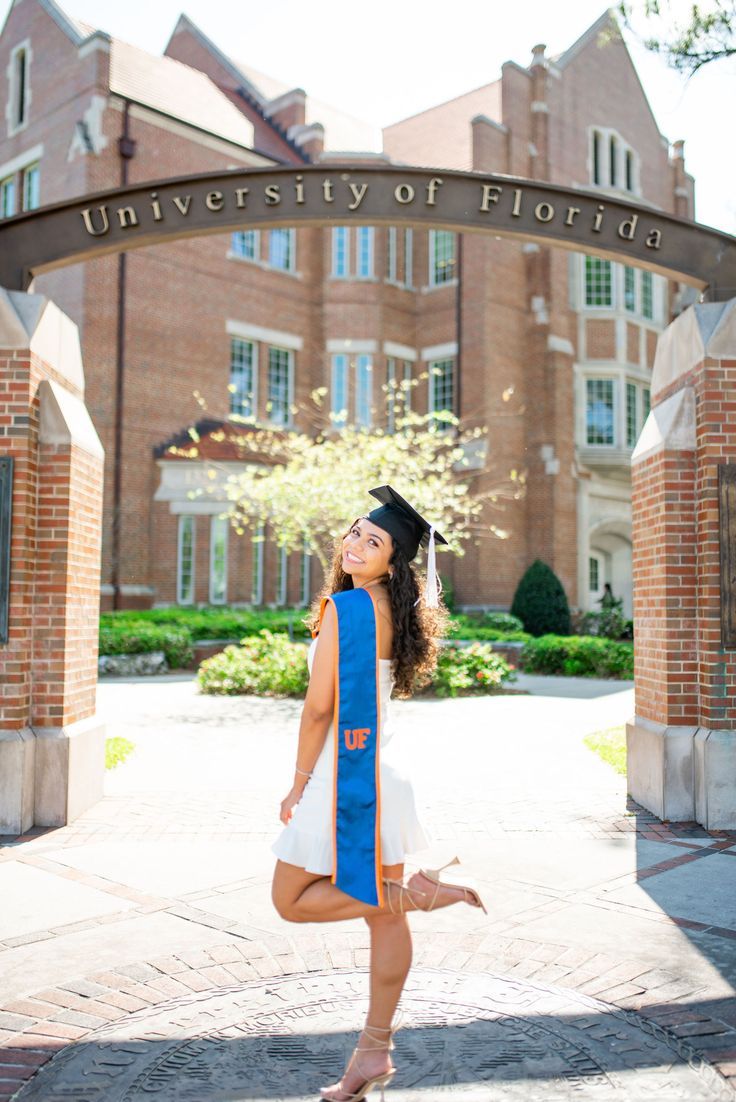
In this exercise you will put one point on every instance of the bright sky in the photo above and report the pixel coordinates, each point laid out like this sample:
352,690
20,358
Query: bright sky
391,58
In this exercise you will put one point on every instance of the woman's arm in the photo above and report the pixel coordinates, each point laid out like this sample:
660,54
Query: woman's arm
319,705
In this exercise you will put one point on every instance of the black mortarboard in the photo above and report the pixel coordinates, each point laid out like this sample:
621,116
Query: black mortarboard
409,529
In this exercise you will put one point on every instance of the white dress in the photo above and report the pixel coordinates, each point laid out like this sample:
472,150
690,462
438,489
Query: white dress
307,839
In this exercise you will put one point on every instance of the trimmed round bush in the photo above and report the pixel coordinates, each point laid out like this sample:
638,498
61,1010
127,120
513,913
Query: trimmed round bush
540,601
578,656
266,664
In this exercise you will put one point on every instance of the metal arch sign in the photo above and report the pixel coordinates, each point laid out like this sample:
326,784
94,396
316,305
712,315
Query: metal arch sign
221,202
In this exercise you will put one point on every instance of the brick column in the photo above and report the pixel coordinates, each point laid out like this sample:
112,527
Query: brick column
682,741
51,743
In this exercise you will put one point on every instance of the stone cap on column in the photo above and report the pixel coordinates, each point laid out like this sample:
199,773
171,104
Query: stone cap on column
35,322
64,419
704,329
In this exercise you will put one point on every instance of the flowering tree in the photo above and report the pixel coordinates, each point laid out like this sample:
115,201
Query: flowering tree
309,487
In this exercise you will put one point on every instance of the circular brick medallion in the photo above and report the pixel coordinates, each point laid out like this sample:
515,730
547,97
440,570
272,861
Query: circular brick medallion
462,1034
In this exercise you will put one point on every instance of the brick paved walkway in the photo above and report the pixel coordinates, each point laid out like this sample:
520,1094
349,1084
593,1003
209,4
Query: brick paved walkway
153,910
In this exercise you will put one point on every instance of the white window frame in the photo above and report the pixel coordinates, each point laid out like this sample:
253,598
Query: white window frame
363,383
252,416
612,175
408,257
615,379
237,239
289,352
186,520
35,168
595,594
6,185
219,529
340,362
340,233
291,237
364,234
282,575
11,110
256,573
432,365
306,574
392,268
433,281
584,283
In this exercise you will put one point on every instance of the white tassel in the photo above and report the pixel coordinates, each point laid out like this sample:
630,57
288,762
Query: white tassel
431,588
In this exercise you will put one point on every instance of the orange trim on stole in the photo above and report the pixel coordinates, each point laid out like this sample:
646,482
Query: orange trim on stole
335,735
379,856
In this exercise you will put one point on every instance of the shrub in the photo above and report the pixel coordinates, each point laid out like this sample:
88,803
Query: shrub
540,601
215,622
462,627
578,656
117,750
448,592
609,623
266,664
130,636
473,669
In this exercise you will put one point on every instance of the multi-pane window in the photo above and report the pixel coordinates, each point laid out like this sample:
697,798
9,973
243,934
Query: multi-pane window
599,411
631,421
339,389
630,289
256,587
246,244
646,402
306,569
31,187
242,377
219,528
7,197
363,389
441,257
279,385
282,575
598,283
408,257
392,266
596,157
19,87
398,377
647,296
341,251
441,390
185,561
594,583
281,249
364,252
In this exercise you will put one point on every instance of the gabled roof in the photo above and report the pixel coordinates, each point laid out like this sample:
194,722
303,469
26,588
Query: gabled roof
161,83
588,37
176,90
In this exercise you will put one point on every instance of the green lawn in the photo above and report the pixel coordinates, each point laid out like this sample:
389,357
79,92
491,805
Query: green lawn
610,745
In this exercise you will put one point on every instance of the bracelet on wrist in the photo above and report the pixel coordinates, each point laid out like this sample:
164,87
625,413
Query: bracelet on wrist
303,772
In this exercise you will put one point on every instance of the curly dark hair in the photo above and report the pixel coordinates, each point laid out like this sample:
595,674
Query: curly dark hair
417,629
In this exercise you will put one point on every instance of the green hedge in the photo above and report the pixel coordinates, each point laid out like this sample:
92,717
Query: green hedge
578,656
461,627
137,637
270,665
214,623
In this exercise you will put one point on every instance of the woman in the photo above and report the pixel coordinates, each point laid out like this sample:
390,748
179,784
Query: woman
366,618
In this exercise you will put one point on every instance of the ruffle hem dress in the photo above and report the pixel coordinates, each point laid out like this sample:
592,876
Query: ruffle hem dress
307,839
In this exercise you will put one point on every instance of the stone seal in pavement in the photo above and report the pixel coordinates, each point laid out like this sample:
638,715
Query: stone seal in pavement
462,1034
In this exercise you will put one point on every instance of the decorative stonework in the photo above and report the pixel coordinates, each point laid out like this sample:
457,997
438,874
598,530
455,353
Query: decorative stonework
284,1037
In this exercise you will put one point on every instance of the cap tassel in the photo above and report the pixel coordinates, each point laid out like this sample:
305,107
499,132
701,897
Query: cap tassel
431,588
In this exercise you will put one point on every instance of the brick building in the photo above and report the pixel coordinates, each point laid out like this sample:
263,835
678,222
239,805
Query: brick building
551,350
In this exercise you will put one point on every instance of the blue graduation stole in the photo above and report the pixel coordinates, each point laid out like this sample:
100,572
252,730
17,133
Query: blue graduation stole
356,867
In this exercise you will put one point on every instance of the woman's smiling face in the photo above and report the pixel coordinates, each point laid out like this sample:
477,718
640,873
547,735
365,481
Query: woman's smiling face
366,551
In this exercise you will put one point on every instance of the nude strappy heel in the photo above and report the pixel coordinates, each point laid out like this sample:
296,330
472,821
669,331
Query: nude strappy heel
467,883
403,888
378,1080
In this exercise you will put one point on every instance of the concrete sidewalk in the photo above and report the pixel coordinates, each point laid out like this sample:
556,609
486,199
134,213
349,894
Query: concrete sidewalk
140,945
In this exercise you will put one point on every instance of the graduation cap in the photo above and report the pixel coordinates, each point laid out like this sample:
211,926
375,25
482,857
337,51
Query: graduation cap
409,530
